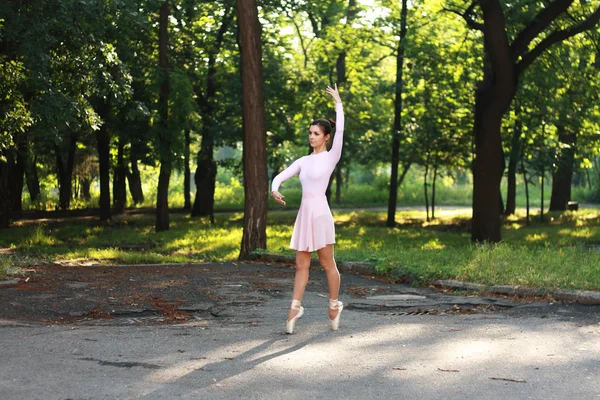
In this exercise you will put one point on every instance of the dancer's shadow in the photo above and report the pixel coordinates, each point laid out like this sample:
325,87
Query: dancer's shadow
213,373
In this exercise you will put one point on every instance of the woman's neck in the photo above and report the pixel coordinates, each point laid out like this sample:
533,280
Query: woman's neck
320,149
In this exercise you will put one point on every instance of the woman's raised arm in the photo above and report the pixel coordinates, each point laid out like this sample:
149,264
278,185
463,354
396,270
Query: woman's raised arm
338,138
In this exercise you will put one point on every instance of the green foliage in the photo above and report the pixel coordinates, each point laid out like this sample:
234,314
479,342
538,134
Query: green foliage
61,59
14,115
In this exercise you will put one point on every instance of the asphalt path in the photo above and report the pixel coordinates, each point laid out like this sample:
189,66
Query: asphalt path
216,331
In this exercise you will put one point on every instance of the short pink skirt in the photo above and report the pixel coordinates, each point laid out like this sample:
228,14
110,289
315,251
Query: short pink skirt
314,228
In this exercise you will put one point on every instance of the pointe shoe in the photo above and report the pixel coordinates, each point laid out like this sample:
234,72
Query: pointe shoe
336,305
289,325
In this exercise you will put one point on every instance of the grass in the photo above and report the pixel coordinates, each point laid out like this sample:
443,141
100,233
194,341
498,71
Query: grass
562,252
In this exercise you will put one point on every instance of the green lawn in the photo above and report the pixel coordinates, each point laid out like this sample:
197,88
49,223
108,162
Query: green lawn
563,252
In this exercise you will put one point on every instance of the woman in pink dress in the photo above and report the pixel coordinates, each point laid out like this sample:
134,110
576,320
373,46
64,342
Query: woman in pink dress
314,229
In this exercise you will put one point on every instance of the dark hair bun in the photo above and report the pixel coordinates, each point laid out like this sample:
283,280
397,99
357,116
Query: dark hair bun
327,125
332,123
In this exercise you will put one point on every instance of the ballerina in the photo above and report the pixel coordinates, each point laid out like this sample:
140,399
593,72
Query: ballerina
314,229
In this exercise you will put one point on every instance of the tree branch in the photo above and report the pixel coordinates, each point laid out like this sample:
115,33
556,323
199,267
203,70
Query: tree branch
539,23
390,46
314,24
299,32
375,63
467,15
556,37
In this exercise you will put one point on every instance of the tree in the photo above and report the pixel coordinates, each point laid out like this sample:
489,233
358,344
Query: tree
397,129
164,137
504,63
342,78
575,104
206,170
15,119
255,156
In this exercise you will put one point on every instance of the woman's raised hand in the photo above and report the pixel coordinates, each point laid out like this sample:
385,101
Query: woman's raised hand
278,197
334,93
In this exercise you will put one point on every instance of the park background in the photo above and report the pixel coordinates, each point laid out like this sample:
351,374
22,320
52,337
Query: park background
100,98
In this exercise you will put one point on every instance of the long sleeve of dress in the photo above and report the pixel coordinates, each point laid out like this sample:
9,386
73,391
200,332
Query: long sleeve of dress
286,174
338,139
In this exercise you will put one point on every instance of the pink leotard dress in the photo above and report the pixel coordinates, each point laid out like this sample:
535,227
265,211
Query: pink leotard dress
314,228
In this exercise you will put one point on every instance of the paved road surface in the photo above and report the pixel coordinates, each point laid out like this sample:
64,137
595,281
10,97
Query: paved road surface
215,331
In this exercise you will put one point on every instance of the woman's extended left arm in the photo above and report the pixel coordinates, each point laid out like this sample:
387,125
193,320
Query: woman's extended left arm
338,138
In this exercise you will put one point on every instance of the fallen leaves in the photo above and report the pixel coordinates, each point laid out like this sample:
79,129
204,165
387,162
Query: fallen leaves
168,309
358,291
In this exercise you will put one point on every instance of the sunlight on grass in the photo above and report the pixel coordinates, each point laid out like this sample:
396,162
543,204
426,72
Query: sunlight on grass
109,254
577,233
433,244
539,254
536,237
39,236
514,226
347,244
548,268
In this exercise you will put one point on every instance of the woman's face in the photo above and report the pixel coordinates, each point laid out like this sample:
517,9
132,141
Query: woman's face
316,137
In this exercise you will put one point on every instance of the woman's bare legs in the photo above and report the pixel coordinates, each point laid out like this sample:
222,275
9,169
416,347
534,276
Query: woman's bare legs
301,278
333,276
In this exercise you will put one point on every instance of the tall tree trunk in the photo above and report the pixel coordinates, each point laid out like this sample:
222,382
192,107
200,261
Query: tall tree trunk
135,179
589,181
255,135
164,138
65,172
103,145
342,78
426,191
64,184
435,170
19,175
526,188
515,155
489,159
85,183
563,174
543,175
75,188
597,170
205,177
33,181
397,130
493,96
119,180
504,62
186,172
7,166
338,184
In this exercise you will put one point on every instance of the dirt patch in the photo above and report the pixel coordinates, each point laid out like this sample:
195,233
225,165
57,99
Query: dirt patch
164,293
